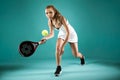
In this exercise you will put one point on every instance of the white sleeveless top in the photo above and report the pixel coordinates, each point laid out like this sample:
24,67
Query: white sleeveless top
72,37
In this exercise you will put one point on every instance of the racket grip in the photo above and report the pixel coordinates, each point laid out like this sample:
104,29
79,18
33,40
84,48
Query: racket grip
41,41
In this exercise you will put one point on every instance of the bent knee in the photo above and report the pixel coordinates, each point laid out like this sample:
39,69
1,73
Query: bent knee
62,51
58,49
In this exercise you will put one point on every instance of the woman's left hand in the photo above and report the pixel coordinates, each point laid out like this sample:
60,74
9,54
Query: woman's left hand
62,50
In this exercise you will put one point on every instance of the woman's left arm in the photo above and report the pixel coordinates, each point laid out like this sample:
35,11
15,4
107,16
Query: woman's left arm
64,22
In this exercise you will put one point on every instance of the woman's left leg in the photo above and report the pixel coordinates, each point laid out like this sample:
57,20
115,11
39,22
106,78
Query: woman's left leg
76,53
58,56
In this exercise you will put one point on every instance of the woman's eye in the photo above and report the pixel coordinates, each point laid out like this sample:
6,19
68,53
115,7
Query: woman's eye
50,12
46,13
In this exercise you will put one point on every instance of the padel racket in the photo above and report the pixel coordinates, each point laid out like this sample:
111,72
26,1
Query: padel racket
27,48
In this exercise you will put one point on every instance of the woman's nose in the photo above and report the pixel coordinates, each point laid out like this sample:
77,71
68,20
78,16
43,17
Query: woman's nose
49,15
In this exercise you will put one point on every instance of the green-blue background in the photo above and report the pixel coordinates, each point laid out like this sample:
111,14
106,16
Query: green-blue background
97,23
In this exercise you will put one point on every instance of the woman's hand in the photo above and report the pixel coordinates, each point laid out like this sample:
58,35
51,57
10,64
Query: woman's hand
42,41
62,50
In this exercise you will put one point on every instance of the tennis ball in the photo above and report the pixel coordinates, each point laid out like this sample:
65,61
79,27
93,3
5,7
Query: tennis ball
44,32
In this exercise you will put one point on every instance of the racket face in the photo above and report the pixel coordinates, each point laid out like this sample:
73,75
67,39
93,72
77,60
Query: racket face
26,48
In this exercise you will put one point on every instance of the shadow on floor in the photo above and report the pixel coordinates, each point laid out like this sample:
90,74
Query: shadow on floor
10,68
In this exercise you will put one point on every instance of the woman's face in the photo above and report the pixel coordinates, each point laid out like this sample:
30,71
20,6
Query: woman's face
49,13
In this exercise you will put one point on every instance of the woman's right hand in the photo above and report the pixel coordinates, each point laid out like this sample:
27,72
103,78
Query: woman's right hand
42,41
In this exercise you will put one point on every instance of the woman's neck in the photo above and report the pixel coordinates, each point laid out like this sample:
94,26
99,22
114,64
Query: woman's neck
55,24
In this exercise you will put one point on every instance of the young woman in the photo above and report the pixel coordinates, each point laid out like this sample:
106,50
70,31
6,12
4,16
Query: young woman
66,34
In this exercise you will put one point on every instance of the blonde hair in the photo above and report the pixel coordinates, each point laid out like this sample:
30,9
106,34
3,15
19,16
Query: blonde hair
58,17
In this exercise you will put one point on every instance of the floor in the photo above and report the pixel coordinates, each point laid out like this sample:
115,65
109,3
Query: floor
71,69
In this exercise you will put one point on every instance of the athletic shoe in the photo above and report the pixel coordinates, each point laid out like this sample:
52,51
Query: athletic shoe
82,61
58,71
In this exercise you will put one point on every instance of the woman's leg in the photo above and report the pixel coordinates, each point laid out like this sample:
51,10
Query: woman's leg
76,53
58,55
59,51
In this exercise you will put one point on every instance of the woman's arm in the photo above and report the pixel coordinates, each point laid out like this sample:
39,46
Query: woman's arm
64,22
50,35
51,29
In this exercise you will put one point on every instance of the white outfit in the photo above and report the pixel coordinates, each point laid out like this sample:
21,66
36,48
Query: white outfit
72,37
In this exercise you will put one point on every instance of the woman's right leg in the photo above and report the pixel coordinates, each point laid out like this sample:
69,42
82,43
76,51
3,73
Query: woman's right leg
76,53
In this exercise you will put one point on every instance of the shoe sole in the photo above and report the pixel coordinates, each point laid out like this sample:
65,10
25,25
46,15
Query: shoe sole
56,75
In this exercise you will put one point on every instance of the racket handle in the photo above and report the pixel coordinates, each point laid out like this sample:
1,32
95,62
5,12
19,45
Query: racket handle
41,41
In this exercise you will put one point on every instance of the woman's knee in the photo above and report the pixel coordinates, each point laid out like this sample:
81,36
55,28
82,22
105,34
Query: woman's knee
58,49
62,51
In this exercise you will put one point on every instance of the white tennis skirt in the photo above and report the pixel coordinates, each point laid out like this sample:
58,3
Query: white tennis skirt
72,37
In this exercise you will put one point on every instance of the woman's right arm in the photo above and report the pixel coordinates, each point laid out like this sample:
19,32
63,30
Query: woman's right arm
50,35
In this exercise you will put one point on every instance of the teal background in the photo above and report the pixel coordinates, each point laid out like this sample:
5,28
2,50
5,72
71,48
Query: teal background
97,23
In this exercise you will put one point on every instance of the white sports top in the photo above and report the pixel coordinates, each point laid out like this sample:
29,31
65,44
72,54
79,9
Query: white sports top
62,33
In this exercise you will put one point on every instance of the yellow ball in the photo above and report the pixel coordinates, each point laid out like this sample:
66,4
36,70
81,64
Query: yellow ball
44,32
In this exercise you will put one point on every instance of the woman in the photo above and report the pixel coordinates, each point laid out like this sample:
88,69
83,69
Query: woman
66,34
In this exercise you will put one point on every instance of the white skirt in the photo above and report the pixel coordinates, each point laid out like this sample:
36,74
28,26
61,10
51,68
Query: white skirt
72,37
